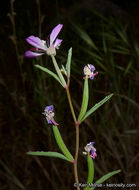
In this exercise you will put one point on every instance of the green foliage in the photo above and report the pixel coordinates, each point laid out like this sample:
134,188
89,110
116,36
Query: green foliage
90,171
12,177
61,143
49,154
105,177
85,37
96,106
68,65
84,100
49,72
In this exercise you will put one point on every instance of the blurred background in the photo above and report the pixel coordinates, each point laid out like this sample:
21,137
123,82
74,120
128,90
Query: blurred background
104,33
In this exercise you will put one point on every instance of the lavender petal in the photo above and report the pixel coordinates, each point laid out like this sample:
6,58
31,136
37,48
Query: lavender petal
92,151
36,42
57,43
92,77
31,54
49,108
92,68
54,33
92,143
49,121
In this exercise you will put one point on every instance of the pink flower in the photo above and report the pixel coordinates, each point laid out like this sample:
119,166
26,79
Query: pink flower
41,47
89,148
49,114
89,71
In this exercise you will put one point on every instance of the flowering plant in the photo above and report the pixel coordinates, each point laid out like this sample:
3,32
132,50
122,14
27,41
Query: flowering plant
49,47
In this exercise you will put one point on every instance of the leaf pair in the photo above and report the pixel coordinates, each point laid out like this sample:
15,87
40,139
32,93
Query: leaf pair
61,143
105,177
62,146
96,106
91,174
49,72
84,113
59,77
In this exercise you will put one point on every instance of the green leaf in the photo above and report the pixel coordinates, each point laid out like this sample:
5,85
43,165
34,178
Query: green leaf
58,71
122,34
111,37
85,37
120,51
90,171
61,143
93,54
105,177
128,67
101,65
104,43
69,61
49,72
49,154
84,100
94,108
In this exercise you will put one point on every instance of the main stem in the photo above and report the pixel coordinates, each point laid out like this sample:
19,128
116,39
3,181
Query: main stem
77,137
76,157
70,104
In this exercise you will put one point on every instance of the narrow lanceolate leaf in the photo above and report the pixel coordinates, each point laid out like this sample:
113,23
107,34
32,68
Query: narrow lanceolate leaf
49,72
61,143
85,37
105,177
68,65
49,154
96,106
84,100
90,171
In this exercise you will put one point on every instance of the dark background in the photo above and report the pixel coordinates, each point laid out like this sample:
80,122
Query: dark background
25,91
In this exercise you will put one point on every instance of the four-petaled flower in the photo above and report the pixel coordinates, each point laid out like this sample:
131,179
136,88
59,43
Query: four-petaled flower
89,148
89,71
49,114
41,47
